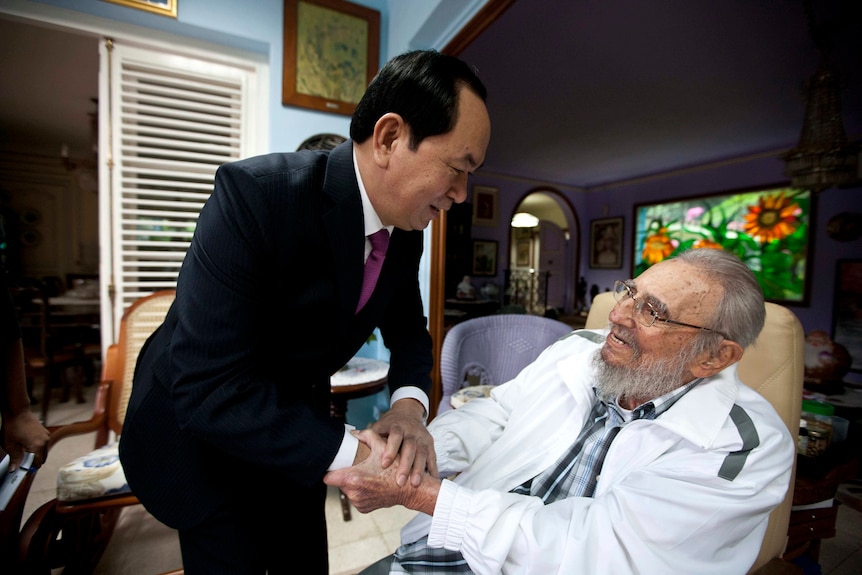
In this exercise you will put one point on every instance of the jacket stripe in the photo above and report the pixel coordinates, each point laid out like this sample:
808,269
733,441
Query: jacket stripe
735,460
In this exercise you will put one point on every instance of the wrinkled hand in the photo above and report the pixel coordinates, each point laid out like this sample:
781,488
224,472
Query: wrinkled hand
23,432
369,485
408,440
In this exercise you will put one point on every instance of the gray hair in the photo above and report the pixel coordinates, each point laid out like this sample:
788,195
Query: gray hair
741,311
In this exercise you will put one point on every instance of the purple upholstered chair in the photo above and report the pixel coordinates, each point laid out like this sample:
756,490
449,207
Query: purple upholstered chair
493,349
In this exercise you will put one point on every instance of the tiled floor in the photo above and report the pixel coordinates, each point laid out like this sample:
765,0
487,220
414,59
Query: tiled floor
143,546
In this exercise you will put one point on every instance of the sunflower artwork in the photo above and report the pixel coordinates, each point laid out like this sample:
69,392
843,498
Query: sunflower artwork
767,229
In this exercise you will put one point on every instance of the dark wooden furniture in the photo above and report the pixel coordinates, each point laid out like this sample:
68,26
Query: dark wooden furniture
816,484
818,481
459,246
460,310
78,321
50,350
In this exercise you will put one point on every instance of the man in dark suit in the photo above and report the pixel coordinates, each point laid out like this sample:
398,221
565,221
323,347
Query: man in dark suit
228,432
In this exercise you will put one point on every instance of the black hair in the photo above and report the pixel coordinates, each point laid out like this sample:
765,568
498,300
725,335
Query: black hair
321,142
421,86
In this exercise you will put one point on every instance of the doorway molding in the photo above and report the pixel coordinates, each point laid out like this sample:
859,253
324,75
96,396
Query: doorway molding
571,264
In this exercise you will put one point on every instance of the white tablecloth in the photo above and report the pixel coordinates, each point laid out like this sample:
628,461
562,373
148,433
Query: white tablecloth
360,370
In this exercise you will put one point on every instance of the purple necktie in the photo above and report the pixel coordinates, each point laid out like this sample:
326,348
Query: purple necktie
379,242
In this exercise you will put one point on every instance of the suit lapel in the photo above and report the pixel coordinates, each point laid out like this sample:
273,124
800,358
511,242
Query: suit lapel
344,226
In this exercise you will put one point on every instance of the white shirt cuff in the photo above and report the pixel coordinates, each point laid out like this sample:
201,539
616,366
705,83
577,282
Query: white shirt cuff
412,393
347,452
451,513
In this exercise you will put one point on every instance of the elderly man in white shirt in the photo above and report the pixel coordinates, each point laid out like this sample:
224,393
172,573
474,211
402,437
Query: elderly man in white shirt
632,449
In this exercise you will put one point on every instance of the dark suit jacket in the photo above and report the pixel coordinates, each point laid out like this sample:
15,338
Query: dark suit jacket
237,378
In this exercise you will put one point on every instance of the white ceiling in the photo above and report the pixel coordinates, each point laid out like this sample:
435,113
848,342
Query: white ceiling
581,93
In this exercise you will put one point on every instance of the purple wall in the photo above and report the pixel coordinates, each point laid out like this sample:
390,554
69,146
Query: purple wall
620,200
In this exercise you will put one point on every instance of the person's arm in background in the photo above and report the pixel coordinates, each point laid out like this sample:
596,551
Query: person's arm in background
22,431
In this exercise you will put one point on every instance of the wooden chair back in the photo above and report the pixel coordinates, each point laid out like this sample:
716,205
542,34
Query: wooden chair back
139,321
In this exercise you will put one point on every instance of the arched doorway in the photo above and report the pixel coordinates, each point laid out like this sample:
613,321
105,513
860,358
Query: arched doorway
543,255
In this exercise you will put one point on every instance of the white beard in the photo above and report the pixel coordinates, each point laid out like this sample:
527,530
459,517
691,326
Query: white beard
643,380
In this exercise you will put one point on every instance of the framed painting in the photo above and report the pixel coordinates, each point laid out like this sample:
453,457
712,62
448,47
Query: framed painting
331,54
163,7
485,206
768,228
847,310
484,258
606,243
523,247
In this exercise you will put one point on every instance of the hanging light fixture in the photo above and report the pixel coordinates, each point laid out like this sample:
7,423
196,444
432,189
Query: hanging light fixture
823,158
524,220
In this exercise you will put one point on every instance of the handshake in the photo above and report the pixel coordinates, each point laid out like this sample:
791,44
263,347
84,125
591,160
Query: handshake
395,465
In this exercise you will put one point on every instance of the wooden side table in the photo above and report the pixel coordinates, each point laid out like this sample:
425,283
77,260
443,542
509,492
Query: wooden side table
361,377
817,481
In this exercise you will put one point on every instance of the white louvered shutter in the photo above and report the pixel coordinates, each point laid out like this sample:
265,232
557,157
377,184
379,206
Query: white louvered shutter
173,120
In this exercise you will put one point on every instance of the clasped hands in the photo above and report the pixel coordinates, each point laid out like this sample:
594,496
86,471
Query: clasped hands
396,446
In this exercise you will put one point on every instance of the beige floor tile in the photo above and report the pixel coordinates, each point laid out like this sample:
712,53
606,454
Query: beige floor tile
357,555
341,532
138,530
392,518
392,539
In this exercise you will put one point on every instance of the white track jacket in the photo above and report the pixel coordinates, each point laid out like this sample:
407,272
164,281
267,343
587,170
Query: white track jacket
660,507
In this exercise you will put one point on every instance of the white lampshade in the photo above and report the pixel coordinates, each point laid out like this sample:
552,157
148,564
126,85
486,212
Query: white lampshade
524,220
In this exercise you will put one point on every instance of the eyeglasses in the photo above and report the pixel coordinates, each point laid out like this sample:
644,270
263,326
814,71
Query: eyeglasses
644,312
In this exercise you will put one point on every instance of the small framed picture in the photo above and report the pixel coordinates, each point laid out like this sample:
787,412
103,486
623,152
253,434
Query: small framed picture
485,206
606,243
522,253
847,314
163,7
484,258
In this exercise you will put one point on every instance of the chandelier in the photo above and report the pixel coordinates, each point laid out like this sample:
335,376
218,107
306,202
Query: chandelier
823,158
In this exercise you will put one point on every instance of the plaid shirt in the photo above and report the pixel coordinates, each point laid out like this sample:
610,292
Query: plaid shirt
575,474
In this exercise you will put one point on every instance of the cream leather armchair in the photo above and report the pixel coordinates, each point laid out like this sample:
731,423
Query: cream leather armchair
773,367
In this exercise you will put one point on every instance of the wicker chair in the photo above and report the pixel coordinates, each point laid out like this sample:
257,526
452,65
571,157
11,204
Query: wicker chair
493,349
72,530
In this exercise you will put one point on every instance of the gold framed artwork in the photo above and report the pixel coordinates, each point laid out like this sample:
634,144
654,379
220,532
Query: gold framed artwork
162,7
523,249
847,312
331,54
484,258
606,243
485,206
